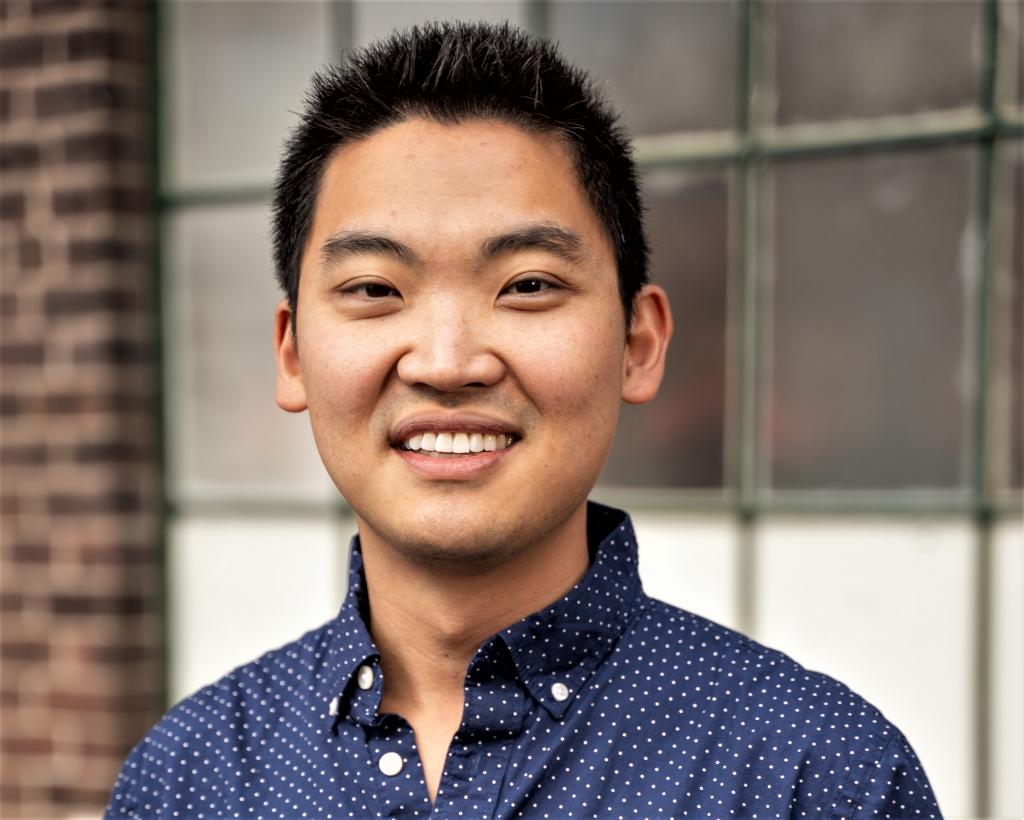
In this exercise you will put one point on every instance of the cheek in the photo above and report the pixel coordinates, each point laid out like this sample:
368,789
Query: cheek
343,374
572,372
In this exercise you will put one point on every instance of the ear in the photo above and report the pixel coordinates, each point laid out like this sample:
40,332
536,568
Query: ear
290,392
643,363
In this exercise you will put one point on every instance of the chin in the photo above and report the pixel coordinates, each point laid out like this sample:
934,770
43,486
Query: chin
447,533
466,537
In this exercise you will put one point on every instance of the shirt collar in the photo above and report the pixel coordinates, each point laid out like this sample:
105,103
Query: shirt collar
565,643
560,645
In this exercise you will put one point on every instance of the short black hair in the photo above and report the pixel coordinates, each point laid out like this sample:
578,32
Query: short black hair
451,72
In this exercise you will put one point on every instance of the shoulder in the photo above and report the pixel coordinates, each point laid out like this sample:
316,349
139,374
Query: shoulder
740,668
209,735
772,718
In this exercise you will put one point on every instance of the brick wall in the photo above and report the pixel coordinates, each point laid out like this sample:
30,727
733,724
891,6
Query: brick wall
80,634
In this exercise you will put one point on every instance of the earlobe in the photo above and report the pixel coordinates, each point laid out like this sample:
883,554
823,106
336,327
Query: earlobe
290,392
646,345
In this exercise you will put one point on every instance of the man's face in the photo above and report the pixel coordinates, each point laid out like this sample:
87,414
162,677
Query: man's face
457,281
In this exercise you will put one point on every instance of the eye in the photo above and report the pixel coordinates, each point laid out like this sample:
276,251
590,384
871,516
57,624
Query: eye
371,291
531,285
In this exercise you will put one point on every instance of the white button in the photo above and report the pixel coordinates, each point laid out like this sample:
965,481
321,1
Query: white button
391,763
559,691
332,710
364,677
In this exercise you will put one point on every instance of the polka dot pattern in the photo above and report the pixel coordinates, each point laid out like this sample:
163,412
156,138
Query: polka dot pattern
606,704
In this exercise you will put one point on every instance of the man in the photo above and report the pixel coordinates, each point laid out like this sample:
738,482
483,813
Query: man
459,235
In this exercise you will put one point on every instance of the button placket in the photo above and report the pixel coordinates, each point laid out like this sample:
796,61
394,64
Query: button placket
396,772
391,763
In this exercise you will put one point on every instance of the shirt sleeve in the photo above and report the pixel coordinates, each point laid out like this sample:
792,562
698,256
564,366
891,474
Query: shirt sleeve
142,788
898,786
122,797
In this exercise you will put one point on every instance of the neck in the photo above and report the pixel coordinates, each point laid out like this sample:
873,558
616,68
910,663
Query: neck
428,621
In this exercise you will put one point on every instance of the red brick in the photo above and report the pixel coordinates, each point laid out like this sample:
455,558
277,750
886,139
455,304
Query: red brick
29,254
26,353
74,97
107,300
21,52
31,553
12,205
105,146
15,156
85,605
111,199
23,453
24,651
102,42
27,745
110,249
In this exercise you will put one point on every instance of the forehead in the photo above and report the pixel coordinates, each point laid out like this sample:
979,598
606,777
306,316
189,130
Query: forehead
443,186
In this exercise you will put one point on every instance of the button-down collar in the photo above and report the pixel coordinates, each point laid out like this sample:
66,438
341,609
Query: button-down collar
554,651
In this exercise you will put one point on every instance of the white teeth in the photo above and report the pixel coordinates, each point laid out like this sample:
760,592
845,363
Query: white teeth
458,443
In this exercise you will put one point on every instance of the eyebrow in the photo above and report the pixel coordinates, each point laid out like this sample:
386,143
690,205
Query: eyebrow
544,236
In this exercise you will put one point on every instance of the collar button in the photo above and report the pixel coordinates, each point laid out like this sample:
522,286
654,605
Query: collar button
559,691
364,677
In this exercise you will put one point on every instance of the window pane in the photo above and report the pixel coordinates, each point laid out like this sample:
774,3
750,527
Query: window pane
239,588
667,66
377,18
236,71
1006,611
1017,333
1008,362
862,58
888,608
1011,53
227,433
866,262
677,440
690,562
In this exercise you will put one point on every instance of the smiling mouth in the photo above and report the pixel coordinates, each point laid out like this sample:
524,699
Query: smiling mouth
457,444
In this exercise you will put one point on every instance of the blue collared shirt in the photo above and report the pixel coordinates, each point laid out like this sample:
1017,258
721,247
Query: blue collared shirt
606,704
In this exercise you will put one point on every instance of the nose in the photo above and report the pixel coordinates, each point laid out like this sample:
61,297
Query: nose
450,350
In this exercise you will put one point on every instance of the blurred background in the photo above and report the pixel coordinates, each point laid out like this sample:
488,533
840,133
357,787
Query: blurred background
834,465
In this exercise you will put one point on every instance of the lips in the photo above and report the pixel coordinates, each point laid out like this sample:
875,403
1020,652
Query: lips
453,446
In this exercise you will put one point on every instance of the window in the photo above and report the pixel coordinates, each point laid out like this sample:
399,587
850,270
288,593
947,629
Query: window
835,198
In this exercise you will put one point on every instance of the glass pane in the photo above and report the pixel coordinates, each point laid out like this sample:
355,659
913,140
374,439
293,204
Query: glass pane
227,433
377,18
1006,614
239,588
690,562
867,374
1011,53
1008,367
666,66
888,608
1017,327
863,58
235,71
677,440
